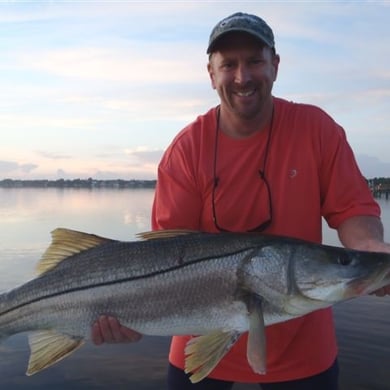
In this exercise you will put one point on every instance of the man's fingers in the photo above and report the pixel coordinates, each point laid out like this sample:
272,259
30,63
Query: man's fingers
109,330
105,329
130,334
382,291
96,335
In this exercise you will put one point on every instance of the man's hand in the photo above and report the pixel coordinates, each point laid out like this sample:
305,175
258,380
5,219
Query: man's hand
382,291
382,247
365,233
109,330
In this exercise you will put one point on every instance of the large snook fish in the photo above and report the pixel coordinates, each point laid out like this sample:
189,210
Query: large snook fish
215,286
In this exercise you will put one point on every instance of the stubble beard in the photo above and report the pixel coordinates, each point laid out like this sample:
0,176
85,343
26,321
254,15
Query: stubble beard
259,106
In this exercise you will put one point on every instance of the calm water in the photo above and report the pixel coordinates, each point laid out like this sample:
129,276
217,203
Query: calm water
26,218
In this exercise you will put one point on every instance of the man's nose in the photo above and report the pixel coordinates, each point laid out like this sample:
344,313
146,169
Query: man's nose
243,74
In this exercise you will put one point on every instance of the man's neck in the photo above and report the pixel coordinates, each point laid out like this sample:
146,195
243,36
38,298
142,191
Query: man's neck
237,127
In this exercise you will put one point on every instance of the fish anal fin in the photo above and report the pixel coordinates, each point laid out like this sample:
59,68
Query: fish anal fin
167,233
65,243
49,347
256,347
204,352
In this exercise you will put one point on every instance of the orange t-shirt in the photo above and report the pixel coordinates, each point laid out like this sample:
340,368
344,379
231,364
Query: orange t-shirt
311,173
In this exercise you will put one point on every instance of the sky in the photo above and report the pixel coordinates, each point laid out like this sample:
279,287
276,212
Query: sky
100,88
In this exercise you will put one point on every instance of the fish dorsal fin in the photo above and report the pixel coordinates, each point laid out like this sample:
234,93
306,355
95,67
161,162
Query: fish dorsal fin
167,233
204,352
49,347
65,243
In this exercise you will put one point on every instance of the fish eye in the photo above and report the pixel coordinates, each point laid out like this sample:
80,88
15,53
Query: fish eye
344,259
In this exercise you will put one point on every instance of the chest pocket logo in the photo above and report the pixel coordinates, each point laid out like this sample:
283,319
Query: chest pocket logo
292,173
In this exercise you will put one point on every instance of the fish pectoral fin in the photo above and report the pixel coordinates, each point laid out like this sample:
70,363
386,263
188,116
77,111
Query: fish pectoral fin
49,347
65,243
204,352
256,347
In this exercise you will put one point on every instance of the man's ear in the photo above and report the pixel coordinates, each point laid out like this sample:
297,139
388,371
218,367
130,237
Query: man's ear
275,62
211,75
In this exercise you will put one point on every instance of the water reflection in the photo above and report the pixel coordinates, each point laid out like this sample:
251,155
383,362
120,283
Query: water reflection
27,215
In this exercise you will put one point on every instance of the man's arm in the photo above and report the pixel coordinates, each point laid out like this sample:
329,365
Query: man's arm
364,233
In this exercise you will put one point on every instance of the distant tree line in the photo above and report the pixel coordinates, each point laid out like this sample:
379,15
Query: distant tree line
77,183
380,186
380,181
376,183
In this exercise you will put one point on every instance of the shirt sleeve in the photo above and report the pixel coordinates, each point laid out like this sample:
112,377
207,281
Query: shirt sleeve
344,190
177,201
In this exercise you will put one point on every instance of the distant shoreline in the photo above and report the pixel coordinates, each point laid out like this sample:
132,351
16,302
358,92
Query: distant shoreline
379,186
77,183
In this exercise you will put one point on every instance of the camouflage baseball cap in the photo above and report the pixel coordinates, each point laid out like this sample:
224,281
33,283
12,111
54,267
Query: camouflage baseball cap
240,21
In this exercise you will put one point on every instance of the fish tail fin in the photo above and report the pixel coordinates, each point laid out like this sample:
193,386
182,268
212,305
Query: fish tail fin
49,347
4,307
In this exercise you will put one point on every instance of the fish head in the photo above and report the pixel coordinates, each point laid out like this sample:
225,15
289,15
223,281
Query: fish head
333,274
295,278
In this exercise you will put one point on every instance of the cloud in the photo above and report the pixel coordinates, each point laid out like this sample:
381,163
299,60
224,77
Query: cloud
27,168
8,166
144,156
135,163
50,121
130,173
116,163
12,167
61,174
54,156
134,62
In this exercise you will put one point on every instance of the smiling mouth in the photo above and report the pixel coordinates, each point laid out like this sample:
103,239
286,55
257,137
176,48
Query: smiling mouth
245,93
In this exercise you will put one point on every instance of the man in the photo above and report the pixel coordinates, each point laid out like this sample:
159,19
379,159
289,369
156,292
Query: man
260,163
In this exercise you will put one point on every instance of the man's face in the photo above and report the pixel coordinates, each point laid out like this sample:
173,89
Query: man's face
243,72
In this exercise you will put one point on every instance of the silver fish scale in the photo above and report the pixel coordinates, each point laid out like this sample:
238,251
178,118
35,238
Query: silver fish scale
167,293
116,260
186,300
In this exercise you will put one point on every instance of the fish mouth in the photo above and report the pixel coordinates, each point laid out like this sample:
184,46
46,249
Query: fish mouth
366,286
